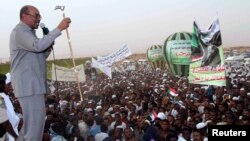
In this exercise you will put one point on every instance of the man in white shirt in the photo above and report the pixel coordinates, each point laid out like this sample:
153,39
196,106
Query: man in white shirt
8,119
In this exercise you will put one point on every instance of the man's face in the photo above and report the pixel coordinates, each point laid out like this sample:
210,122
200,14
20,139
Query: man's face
88,65
32,17
197,136
164,125
245,113
117,117
213,116
186,134
128,133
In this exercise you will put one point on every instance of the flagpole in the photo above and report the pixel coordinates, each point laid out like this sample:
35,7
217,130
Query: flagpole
217,14
71,53
54,61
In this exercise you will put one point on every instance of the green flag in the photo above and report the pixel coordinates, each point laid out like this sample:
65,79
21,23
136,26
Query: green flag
207,67
195,40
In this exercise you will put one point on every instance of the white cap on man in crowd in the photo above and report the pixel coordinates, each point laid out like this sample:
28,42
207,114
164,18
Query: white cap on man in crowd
161,116
110,109
113,96
98,107
88,62
8,79
51,106
235,98
212,104
202,124
89,110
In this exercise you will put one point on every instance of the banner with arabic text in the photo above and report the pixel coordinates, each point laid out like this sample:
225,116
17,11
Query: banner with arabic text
68,74
207,56
121,54
180,51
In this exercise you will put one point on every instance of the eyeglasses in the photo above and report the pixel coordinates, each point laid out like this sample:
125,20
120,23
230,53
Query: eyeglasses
36,16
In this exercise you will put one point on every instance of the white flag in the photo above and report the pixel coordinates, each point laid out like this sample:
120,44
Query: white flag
120,54
104,69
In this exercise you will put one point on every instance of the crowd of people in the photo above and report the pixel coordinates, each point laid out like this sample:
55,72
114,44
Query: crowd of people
136,106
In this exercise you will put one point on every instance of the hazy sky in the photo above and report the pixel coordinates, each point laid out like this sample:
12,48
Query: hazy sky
100,27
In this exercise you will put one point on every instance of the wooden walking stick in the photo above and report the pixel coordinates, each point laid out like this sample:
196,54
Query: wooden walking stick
71,52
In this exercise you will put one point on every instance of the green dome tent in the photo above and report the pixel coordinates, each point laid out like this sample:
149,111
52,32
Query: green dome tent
177,53
155,57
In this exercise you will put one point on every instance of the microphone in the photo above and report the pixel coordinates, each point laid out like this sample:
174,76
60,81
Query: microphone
46,32
45,29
